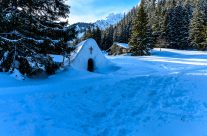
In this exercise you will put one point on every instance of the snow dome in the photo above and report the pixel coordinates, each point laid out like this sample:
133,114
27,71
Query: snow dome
88,56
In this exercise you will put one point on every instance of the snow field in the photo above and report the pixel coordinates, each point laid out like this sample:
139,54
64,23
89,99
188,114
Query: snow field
160,95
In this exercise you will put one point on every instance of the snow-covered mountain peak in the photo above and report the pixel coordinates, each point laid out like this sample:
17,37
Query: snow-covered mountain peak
112,19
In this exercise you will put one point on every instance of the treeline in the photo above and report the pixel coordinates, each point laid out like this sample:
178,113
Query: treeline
178,24
29,31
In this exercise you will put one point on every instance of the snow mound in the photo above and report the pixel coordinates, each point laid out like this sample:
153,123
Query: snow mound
159,95
17,75
86,50
57,58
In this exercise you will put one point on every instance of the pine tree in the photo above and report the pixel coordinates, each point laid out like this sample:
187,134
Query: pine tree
122,30
107,39
94,33
169,21
89,33
197,30
97,35
203,9
138,40
178,28
29,32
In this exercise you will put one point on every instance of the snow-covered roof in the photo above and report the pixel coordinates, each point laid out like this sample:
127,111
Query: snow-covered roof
124,45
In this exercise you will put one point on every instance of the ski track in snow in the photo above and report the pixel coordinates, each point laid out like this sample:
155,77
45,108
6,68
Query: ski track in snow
147,96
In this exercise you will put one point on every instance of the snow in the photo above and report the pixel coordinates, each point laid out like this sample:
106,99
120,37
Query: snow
57,58
111,19
17,75
124,45
159,95
80,35
81,29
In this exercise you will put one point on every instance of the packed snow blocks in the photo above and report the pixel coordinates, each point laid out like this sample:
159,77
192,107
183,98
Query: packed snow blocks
88,56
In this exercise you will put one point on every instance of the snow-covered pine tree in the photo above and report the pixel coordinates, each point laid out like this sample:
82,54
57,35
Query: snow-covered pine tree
29,31
138,40
152,14
159,17
178,27
198,29
204,9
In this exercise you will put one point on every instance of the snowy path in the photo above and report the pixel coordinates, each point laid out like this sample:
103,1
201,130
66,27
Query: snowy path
161,95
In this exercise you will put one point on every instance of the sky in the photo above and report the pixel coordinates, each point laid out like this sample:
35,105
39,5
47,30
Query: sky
93,10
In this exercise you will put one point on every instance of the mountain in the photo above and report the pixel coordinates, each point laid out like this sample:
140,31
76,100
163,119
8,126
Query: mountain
112,19
82,27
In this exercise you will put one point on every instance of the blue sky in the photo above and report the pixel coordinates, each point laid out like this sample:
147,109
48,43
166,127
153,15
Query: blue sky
92,10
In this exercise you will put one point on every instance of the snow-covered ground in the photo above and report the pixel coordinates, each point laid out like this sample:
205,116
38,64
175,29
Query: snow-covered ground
160,95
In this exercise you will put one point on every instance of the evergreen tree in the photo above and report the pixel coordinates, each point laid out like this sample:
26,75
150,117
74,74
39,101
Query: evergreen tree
197,30
107,39
150,39
97,35
88,34
169,22
122,30
138,41
29,32
94,33
178,28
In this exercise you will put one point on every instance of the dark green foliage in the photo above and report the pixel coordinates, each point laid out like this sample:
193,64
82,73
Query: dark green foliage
24,66
170,24
121,32
29,32
178,28
97,35
150,38
107,39
7,61
198,27
51,68
89,34
42,9
173,23
94,33
138,42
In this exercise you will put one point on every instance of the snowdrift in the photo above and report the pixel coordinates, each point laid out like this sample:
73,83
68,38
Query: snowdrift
160,95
